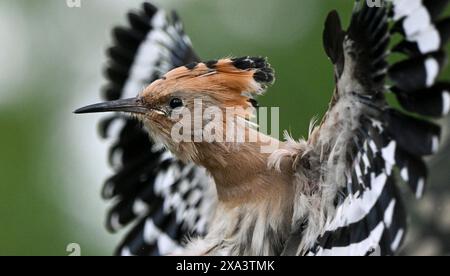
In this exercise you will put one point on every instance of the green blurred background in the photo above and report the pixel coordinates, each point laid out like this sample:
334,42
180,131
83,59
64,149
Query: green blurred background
52,163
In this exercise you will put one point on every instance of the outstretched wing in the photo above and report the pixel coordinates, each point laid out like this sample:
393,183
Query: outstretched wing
164,199
374,145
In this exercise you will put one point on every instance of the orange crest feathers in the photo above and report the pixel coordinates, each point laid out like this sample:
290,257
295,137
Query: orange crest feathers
232,80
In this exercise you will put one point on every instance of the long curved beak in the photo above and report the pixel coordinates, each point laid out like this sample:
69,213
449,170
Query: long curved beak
132,105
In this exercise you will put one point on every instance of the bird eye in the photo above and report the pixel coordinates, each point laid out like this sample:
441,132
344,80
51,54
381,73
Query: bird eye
175,102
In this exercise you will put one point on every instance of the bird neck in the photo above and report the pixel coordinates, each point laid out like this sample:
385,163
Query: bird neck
241,172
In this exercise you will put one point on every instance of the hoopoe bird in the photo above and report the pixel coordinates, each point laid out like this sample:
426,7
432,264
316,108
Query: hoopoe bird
335,193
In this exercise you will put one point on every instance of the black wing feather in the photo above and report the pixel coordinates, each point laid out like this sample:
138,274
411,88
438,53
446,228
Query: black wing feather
370,218
150,187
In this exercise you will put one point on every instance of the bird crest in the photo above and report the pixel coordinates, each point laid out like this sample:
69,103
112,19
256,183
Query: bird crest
234,82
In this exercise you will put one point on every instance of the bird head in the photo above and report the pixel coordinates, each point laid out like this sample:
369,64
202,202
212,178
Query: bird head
190,99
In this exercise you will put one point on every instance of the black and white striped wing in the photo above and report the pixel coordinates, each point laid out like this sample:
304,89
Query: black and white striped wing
389,144
164,199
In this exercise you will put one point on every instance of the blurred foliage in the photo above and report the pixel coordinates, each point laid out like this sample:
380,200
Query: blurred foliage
52,164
